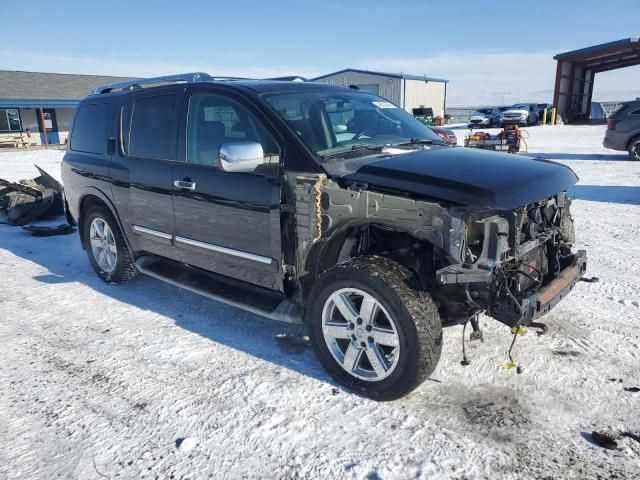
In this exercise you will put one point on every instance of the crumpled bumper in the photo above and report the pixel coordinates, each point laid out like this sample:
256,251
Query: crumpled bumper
549,296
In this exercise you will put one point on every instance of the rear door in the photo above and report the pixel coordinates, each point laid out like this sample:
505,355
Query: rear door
141,170
228,223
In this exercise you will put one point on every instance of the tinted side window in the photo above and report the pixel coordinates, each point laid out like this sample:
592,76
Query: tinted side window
89,133
154,127
635,112
216,119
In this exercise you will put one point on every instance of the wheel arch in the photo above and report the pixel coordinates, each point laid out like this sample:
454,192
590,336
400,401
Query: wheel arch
632,138
98,198
339,245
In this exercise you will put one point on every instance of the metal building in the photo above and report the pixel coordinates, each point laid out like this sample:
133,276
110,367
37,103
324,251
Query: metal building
37,108
576,73
406,91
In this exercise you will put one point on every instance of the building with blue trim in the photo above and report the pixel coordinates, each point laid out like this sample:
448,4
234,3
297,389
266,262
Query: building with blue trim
39,107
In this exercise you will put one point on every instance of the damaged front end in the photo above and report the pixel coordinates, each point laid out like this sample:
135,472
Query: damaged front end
518,264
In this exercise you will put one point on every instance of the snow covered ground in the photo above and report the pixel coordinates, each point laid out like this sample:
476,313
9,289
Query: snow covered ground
148,381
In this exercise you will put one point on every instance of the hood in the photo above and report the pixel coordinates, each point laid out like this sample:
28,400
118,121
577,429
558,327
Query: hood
516,110
468,176
478,117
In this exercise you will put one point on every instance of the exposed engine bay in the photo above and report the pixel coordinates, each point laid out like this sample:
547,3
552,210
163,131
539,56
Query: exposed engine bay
522,251
514,265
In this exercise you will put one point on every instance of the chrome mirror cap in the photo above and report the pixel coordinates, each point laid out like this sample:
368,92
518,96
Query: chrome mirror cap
241,156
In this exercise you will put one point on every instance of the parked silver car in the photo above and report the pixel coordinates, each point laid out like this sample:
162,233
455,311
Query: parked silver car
623,129
485,117
521,114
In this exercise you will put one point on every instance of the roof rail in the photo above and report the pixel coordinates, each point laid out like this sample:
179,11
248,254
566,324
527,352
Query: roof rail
290,78
131,84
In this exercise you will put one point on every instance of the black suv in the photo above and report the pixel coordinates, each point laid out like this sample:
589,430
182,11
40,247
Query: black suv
323,204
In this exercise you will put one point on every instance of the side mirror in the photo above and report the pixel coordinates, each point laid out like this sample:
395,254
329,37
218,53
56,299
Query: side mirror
241,156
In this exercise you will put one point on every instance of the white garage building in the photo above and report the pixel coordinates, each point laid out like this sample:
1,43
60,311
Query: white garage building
406,91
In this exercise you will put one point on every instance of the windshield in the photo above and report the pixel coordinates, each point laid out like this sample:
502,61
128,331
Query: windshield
520,106
334,123
482,111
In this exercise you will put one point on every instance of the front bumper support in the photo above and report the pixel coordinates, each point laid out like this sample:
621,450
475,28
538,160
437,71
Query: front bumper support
549,296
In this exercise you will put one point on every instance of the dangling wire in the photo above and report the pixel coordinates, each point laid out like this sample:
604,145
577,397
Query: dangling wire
465,361
516,331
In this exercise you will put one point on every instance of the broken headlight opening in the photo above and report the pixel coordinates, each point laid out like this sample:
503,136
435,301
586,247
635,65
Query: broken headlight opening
34,199
517,264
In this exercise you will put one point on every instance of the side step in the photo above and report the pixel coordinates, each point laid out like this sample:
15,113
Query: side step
222,289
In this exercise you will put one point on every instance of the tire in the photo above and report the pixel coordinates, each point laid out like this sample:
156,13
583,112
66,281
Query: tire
634,149
401,310
122,268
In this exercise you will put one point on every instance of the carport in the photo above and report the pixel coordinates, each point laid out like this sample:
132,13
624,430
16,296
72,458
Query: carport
576,72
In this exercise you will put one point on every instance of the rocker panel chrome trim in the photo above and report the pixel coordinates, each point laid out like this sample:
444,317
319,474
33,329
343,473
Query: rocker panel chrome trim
228,251
150,231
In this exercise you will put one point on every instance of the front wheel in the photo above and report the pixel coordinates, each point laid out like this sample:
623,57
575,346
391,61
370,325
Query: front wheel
371,330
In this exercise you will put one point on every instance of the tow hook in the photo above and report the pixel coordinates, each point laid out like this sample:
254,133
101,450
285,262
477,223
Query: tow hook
543,328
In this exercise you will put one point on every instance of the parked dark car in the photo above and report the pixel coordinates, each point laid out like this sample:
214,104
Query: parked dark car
541,108
446,134
623,129
302,201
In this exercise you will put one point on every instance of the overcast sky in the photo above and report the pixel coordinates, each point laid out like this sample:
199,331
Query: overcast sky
492,52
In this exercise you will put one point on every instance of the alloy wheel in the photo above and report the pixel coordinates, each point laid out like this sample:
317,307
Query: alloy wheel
361,335
103,245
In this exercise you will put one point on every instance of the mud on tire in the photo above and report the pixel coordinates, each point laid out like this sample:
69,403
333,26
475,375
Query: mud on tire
125,268
414,314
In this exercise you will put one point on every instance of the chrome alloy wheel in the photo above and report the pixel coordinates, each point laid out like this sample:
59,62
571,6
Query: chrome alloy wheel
103,245
360,334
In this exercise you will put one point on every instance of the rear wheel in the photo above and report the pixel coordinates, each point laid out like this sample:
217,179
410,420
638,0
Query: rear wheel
105,246
372,331
634,149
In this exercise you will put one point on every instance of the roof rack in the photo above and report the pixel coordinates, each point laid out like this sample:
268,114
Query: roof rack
291,78
132,84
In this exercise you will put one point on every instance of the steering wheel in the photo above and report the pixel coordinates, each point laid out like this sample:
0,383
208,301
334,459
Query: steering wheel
360,134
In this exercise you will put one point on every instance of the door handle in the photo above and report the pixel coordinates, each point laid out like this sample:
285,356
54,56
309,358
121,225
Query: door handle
187,185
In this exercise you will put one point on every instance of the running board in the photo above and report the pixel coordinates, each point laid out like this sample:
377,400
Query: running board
222,289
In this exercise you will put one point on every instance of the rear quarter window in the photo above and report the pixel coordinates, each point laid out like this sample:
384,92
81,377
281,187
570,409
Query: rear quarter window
89,133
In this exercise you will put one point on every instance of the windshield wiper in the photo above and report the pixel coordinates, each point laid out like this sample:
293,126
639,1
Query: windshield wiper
355,149
421,141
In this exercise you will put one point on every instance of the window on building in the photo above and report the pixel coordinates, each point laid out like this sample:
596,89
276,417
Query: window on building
89,133
154,127
216,119
9,120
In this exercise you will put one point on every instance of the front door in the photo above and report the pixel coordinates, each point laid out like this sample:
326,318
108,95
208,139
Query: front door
228,223
141,169
50,127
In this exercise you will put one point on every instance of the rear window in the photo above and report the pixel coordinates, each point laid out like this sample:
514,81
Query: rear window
620,108
154,127
89,133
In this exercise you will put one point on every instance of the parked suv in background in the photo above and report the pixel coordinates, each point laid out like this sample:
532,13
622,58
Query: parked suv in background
521,114
623,129
297,200
485,117
541,108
